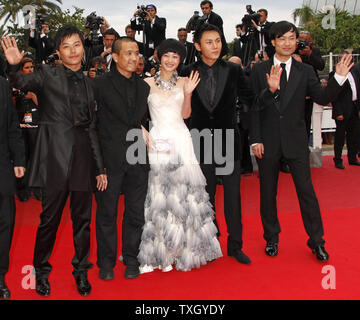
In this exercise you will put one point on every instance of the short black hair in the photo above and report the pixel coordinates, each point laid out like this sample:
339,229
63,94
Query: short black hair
206,2
97,60
116,47
66,32
171,45
205,27
111,32
280,28
240,25
182,29
263,10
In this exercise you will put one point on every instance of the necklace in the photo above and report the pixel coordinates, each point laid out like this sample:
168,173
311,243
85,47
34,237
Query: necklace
166,85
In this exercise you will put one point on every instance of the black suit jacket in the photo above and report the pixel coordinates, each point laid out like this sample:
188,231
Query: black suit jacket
280,125
190,53
216,20
238,49
44,47
231,83
343,104
113,121
51,160
12,149
155,34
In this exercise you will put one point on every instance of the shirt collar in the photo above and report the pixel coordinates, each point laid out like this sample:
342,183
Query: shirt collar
278,62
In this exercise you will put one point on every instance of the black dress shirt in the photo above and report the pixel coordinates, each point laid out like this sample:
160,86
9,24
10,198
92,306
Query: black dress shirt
82,166
129,91
209,76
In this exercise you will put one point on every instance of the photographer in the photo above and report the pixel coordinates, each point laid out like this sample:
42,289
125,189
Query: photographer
131,34
105,49
255,35
211,17
98,67
146,20
238,43
27,109
41,41
93,40
189,46
312,56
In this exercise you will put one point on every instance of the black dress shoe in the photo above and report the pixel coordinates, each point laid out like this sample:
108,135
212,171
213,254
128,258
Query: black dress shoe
320,253
240,256
4,290
43,287
271,249
105,274
354,162
131,272
82,283
339,165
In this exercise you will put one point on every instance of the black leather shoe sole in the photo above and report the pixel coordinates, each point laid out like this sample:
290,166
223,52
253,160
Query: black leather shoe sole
43,291
240,256
321,257
131,273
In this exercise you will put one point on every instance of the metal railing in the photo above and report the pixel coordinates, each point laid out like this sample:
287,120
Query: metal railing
331,61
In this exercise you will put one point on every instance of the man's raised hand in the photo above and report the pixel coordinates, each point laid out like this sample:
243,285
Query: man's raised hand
11,50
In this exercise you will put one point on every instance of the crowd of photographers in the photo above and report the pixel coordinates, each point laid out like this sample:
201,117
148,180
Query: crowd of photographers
251,46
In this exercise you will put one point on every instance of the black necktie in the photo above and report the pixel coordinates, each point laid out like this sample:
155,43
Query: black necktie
210,85
283,79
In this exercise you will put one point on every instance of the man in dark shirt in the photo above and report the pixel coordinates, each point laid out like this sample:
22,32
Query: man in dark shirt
122,107
213,110
67,155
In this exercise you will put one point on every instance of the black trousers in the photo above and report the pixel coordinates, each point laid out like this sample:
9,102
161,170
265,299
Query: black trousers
309,206
133,182
53,205
7,222
232,201
348,128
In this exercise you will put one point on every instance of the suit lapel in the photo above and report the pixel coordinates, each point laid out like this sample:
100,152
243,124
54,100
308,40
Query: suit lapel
201,90
294,79
65,86
221,82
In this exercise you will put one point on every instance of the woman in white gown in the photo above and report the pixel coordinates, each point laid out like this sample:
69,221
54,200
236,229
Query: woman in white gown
179,229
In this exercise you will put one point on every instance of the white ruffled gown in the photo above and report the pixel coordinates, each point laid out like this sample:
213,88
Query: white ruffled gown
179,229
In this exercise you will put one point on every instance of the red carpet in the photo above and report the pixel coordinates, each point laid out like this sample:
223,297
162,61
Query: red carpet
294,274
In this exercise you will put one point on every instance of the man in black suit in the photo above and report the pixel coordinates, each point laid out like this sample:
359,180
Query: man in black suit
67,155
238,44
122,107
346,115
190,50
131,34
213,111
42,43
12,159
155,28
278,130
212,18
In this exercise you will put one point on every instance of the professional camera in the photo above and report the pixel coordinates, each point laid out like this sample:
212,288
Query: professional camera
50,60
94,22
195,21
18,94
99,71
39,21
302,44
142,13
251,15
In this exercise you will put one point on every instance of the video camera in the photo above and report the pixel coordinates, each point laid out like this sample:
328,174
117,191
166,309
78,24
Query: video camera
251,15
196,21
94,22
142,13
